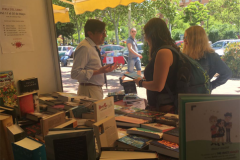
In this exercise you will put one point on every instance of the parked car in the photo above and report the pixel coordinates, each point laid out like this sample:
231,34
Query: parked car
62,50
111,48
220,46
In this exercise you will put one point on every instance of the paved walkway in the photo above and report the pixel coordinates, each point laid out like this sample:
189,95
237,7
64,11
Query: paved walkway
69,85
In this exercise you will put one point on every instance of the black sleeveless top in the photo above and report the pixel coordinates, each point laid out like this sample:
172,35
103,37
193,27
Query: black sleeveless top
153,96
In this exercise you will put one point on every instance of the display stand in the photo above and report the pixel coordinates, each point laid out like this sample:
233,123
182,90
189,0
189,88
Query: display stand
42,62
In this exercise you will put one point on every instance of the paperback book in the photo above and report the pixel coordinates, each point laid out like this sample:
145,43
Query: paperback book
134,142
172,135
8,91
103,108
145,132
165,147
145,114
132,75
157,127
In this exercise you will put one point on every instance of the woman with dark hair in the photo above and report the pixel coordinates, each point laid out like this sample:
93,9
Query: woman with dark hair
162,68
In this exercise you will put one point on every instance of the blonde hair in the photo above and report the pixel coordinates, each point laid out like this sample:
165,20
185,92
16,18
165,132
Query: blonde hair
198,43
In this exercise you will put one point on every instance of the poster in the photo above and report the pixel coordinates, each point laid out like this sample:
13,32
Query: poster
15,29
212,130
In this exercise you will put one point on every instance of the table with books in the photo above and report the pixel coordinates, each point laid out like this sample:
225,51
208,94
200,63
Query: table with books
77,126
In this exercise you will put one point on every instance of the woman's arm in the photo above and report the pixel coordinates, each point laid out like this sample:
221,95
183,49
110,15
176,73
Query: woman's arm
223,70
163,61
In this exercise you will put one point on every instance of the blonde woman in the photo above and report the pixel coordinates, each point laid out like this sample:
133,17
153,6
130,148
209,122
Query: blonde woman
196,45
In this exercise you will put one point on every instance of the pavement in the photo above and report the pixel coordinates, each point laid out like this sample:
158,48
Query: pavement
232,86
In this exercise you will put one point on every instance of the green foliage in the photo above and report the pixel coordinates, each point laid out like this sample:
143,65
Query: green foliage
226,11
232,58
222,31
195,13
65,29
176,34
145,54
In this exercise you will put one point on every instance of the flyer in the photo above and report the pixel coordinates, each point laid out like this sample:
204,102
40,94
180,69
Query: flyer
15,29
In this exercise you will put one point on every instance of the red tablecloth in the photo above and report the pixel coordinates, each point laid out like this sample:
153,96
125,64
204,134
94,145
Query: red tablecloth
118,59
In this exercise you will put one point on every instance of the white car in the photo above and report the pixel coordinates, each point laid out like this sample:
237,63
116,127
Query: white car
62,50
220,46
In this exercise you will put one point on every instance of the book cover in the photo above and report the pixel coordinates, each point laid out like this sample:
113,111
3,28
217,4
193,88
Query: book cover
185,98
8,91
32,129
15,133
217,137
26,104
106,132
28,149
125,109
165,147
145,114
157,127
172,135
131,98
134,141
167,121
104,108
131,120
145,132
121,132
5,148
70,144
28,85
132,75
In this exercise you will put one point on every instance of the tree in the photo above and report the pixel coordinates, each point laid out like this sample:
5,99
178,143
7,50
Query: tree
226,11
195,13
114,16
65,29
168,9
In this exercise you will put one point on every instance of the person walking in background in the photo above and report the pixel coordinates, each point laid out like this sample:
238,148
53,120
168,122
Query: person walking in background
197,47
87,63
133,56
162,68
66,56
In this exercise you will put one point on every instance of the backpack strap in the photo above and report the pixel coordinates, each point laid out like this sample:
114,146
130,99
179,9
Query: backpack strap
170,93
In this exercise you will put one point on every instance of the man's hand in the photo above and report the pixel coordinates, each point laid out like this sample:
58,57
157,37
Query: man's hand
108,68
140,56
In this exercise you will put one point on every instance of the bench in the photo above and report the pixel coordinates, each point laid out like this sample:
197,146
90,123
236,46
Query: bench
69,60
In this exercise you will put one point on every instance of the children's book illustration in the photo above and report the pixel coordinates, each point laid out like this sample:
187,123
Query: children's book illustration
212,130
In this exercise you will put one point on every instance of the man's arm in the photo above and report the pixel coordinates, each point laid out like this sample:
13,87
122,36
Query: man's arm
129,45
81,58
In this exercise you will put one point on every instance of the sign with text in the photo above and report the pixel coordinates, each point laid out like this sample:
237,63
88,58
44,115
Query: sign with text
15,29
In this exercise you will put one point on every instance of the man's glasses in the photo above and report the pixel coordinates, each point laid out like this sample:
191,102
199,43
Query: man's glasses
134,31
104,32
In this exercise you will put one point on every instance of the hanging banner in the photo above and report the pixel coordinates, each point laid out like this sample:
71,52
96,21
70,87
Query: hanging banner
15,30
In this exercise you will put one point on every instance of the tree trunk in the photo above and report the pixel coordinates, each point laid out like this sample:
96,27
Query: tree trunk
170,28
129,19
116,32
78,32
63,40
72,39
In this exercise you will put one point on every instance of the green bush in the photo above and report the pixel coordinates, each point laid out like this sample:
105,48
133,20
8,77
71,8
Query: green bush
176,34
145,54
122,44
232,58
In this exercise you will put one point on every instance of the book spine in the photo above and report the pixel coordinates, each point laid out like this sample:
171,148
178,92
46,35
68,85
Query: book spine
40,153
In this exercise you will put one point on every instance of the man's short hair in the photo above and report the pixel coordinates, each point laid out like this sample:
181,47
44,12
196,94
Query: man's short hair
132,28
94,25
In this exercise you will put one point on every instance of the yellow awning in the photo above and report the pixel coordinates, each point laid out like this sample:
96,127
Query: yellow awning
91,5
61,14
